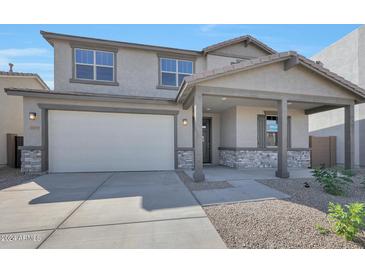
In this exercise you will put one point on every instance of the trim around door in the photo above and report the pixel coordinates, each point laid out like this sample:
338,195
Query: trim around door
46,107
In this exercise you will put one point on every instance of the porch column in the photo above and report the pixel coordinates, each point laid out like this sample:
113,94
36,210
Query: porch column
349,137
198,137
282,171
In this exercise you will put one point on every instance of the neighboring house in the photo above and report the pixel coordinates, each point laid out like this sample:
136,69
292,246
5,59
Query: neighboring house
120,106
11,108
345,57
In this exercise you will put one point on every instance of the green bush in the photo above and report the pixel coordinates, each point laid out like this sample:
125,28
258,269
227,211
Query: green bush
331,180
348,220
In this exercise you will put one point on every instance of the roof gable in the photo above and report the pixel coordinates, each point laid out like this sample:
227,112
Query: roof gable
316,70
245,41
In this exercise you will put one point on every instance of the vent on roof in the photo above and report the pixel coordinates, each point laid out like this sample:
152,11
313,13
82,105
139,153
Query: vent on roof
11,67
319,63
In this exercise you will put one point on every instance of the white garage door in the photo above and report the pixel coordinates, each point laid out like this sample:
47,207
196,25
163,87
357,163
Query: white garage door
97,141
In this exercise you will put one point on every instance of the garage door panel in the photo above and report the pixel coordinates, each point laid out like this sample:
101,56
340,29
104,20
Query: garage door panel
94,141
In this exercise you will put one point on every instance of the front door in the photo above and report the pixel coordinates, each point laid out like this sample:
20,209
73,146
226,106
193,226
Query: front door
207,155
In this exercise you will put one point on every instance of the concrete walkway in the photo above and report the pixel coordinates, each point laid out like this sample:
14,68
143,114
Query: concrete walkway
243,186
220,173
104,210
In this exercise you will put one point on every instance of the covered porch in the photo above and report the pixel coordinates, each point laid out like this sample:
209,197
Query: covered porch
242,97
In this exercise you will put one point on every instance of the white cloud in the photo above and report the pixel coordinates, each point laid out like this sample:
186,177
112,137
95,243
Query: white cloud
37,66
26,52
207,28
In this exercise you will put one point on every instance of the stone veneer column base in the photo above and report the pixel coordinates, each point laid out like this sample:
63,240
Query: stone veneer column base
262,158
31,161
185,158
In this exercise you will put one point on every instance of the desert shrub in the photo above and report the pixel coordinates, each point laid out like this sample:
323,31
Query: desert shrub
331,180
347,221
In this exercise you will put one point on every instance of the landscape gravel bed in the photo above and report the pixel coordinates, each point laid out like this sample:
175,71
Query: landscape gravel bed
288,223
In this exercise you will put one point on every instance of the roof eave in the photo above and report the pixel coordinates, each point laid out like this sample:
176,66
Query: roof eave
357,91
50,37
84,96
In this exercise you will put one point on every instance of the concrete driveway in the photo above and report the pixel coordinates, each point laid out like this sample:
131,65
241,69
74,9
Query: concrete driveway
104,210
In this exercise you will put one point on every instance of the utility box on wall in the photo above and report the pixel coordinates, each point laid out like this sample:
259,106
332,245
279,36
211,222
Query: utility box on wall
14,143
323,151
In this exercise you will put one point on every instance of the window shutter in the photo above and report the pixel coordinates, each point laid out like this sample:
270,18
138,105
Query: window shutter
289,132
261,131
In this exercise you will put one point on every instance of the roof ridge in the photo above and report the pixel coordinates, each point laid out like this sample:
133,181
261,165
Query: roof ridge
239,39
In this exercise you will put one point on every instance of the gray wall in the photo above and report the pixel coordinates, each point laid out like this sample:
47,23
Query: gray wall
345,57
138,70
11,109
33,132
239,127
137,73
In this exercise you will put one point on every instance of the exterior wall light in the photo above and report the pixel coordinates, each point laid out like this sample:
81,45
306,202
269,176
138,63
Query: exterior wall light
185,122
32,115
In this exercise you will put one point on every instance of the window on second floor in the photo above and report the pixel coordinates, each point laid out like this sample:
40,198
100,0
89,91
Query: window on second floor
173,71
94,65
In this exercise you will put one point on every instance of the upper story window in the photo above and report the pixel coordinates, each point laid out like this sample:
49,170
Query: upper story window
94,65
173,71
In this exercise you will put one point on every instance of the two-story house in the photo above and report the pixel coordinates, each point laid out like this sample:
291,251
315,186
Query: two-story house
345,57
120,106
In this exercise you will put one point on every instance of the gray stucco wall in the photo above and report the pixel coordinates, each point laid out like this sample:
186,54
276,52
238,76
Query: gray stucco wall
298,80
11,109
251,51
32,132
239,127
345,57
137,73
138,70
229,127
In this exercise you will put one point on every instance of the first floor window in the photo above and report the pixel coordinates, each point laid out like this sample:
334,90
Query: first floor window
173,71
94,65
271,131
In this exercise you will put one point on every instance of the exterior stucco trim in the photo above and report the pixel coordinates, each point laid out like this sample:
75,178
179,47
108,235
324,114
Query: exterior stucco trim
94,82
185,148
267,95
107,109
87,96
171,56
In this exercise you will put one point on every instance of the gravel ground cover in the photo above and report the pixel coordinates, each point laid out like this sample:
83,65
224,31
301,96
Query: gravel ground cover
286,223
11,177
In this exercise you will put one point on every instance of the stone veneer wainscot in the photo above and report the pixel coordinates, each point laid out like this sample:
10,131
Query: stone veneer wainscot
185,158
31,161
261,158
